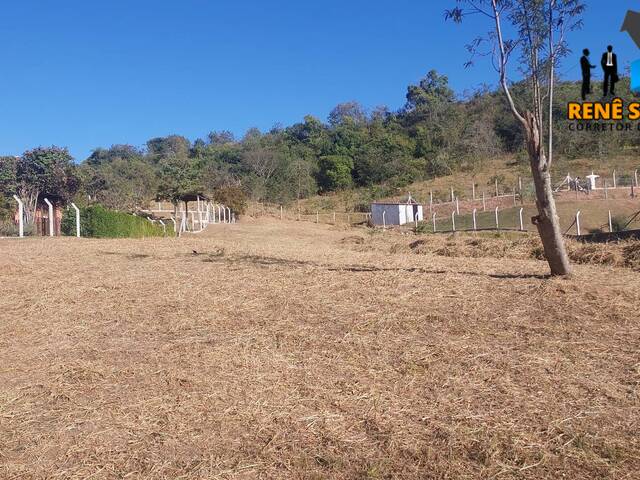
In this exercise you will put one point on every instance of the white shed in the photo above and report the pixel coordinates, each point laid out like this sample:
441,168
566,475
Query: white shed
396,213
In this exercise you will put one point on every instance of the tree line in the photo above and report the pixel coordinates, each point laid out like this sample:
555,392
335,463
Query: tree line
434,133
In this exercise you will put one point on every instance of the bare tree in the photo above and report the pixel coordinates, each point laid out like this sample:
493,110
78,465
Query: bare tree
538,37
263,163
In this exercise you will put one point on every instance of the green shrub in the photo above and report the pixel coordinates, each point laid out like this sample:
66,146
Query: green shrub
99,222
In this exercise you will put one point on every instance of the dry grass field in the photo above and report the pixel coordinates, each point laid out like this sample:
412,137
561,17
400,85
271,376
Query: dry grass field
292,350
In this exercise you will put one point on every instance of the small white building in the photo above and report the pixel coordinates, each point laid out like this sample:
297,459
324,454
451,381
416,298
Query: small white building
396,213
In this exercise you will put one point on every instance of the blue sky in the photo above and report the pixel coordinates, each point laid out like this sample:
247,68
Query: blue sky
84,74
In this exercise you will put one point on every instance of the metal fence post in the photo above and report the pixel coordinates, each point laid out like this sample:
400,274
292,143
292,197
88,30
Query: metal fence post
50,205
453,220
578,222
434,222
475,226
77,219
521,221
610,223
497,220
20,216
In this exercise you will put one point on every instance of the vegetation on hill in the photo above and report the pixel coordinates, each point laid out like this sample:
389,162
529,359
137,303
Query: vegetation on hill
436,133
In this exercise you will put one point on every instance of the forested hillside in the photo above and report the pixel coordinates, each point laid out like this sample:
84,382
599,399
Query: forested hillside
435,133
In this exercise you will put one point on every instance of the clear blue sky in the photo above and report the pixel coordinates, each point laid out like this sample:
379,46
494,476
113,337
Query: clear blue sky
84,73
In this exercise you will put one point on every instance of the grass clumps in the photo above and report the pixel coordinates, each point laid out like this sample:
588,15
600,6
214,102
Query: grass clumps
99,222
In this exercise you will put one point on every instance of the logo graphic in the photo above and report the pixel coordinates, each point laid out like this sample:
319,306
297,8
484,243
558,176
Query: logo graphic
631,25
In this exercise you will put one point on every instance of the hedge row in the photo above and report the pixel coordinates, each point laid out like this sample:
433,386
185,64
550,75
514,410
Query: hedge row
99,222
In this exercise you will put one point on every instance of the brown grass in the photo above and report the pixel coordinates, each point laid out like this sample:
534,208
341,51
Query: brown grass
286,350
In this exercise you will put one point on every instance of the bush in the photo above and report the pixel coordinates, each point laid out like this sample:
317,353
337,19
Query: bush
233,197
8,229
99,222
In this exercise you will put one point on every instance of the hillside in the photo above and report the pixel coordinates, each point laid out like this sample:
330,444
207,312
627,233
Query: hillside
437,140
507,170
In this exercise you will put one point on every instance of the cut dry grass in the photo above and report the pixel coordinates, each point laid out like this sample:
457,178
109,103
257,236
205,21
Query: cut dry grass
285,350
513,246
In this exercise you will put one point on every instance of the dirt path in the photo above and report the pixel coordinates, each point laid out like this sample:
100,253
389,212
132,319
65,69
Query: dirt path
287,350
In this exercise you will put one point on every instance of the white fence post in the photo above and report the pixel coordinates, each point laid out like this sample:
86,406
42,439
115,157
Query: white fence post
578,222
635,176
453,220
521,221
318,216
164,227
281,212
384,221
434,222
50,205
20,216
610,223
497,220
452,195
77,219
175,225
614,180
606,191
228,215
484,204
475,225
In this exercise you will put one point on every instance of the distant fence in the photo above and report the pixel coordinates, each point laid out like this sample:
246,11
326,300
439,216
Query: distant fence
195,219
15,224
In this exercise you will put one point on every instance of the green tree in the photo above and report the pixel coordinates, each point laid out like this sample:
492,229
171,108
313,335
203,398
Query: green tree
45,172
7,186
335,172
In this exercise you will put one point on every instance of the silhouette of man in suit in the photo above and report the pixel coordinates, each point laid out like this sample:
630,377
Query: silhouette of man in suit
586,66
609,64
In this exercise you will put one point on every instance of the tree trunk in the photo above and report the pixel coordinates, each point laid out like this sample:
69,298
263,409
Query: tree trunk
547,220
